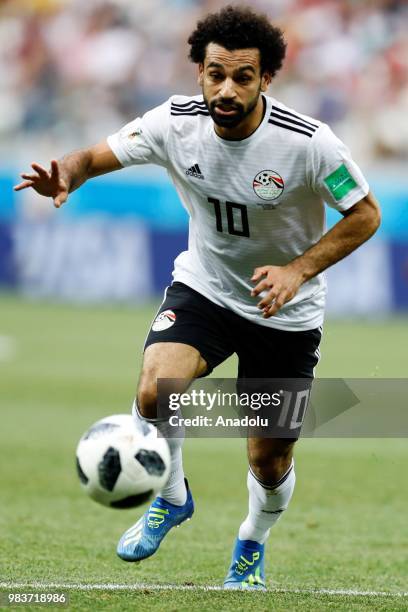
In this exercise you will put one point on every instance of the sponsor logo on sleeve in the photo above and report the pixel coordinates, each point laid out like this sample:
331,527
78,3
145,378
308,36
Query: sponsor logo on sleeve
340,183
136,132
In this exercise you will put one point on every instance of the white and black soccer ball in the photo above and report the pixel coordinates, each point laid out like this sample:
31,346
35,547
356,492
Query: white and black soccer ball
119,465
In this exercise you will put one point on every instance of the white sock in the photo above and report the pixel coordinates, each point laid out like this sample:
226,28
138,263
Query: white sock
266,505
174,491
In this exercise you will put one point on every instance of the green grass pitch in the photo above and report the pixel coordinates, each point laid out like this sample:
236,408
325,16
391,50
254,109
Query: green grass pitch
62,368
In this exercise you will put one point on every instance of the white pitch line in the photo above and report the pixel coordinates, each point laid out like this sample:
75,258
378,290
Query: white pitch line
189,587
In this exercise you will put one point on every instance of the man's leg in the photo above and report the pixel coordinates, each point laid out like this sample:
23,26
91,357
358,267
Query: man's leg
271,481
167,360
268,354
174,504
187,339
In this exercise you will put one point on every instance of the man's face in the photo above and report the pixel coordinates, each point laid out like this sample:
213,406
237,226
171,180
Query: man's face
231,82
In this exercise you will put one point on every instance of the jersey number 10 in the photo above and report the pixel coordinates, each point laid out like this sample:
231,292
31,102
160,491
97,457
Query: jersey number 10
243,230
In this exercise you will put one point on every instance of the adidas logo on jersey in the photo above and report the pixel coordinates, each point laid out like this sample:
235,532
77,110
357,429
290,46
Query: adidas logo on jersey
195,172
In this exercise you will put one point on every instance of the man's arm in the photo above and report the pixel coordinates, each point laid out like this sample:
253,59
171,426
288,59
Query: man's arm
70,172
282,283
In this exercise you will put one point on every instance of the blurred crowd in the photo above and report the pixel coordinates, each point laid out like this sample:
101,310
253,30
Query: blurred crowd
73,71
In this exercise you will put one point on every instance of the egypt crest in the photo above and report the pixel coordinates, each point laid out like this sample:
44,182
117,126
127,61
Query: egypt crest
164,320
268,185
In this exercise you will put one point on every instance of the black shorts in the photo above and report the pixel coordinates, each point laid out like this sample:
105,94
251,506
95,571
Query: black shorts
188,317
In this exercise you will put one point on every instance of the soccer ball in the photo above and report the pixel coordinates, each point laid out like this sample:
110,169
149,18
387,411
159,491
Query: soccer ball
119,465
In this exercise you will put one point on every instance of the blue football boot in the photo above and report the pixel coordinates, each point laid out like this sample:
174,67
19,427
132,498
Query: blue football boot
247,567
144,537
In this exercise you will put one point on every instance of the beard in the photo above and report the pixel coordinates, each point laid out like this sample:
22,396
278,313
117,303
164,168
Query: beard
240,113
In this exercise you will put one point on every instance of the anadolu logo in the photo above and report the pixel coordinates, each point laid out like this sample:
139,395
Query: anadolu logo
268,185
164,320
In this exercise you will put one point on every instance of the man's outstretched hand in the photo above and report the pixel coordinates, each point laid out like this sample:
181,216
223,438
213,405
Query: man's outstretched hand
49,184
279,285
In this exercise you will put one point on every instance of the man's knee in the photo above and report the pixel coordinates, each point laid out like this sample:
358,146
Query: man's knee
178,363
147,394
148,400
270,459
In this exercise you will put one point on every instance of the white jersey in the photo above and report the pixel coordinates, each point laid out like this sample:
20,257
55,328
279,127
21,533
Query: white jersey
251,203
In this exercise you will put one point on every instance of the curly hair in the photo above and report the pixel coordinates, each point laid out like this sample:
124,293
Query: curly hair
239,28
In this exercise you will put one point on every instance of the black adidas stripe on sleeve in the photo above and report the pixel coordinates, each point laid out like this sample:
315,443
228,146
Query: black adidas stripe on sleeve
298,117
192,114
293,122
287,126
192,102
192,108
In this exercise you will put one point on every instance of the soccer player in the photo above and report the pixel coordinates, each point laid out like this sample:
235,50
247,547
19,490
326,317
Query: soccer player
253,176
